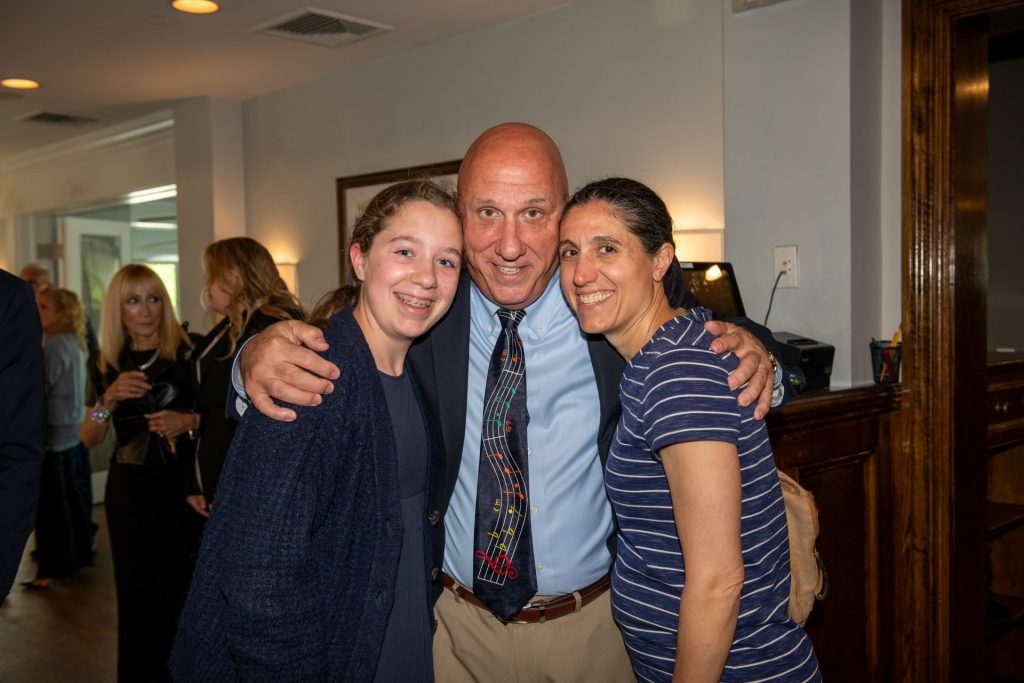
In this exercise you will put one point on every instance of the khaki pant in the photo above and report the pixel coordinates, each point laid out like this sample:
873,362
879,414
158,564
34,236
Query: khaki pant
471,645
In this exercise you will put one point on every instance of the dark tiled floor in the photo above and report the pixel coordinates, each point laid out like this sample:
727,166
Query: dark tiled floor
67,633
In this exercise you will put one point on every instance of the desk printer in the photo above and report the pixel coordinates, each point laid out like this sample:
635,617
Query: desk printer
812,358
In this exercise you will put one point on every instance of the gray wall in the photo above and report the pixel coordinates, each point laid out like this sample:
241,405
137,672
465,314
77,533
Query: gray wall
744,121
779,124
624,88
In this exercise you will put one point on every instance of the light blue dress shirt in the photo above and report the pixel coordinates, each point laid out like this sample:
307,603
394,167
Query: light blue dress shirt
569,510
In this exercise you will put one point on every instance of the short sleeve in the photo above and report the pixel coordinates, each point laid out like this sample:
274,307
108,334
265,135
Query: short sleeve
687,398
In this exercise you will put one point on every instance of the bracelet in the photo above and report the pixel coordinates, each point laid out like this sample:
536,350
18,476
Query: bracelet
100,415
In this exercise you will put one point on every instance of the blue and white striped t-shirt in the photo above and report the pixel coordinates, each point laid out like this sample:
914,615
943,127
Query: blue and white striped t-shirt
675,390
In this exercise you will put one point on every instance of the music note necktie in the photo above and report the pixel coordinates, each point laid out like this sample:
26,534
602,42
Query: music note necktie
504,577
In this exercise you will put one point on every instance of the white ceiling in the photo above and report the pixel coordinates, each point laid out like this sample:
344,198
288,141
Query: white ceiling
115,60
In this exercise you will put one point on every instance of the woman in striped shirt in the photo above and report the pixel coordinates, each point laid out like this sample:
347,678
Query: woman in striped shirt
701,580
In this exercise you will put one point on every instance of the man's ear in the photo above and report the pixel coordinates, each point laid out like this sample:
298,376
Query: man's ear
358,258
663,260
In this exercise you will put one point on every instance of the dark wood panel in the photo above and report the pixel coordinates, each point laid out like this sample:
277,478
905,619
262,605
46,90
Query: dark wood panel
1006,660
840,446
839,625
1003,518
1005,402
941,617
1006,517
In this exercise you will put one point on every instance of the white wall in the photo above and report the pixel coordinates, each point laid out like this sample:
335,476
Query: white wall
811,121
748,121
210,175
892,169
739,120
92,168
624,88
199,147
787,164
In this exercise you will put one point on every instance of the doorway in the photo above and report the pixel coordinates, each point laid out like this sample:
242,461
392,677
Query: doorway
942,575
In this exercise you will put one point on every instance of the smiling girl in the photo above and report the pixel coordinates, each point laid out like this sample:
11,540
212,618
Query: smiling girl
316,560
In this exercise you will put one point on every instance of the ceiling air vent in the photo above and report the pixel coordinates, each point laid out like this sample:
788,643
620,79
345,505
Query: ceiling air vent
58,119
320,27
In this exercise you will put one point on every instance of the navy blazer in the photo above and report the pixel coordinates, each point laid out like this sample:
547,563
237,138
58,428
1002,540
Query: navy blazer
22,421
296,576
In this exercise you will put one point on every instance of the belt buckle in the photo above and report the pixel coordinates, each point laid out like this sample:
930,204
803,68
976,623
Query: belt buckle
540,620
541,606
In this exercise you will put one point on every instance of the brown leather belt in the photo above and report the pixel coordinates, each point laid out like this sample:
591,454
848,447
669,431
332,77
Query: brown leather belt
538,611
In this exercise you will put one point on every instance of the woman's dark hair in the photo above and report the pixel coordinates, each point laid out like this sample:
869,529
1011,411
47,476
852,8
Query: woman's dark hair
375,218
643,213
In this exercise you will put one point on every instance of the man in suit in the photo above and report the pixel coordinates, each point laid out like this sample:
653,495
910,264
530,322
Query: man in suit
512,187
22,421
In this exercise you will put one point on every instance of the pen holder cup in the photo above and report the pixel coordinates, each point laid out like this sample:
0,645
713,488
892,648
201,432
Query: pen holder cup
885,361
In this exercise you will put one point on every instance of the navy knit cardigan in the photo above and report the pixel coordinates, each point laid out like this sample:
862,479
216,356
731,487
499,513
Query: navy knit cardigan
296,573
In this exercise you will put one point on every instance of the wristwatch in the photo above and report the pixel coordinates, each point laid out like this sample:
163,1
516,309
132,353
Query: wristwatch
778,390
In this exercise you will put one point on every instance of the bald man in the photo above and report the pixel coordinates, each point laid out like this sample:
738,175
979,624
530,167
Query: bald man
512,187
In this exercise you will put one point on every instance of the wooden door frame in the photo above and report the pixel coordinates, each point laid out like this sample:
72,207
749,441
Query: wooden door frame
940,556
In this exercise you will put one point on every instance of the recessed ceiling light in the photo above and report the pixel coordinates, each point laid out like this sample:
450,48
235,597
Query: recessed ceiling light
19,83
195,6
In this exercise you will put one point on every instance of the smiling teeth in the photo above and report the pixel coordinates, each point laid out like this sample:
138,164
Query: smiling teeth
594,298
413,301
508,270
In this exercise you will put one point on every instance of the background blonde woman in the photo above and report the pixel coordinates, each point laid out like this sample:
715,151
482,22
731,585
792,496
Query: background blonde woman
244,286
141,379
63,537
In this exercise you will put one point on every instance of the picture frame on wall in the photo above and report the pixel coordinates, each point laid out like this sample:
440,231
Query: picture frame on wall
355,191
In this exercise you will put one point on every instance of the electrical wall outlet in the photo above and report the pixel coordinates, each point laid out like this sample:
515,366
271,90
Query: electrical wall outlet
786,263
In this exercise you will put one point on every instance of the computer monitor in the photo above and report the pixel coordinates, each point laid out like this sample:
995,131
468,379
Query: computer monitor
715,286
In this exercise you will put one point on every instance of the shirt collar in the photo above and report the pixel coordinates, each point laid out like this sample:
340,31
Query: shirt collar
541,315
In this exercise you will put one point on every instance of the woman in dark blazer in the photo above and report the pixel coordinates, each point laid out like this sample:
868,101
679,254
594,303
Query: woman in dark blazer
141,379
316,562
244,286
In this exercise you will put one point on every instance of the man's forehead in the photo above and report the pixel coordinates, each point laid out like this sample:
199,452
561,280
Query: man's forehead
517,188
527,199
